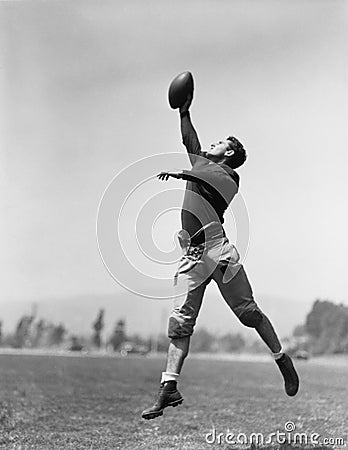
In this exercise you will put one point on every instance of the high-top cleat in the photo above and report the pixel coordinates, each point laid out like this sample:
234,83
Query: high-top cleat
291,381
168,395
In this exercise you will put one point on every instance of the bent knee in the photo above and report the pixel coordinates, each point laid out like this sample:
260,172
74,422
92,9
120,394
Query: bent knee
251,317
179,328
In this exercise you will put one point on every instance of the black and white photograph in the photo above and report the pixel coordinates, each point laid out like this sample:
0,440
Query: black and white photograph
173,224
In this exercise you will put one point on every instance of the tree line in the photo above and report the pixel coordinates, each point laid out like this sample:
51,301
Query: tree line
32,332
325,330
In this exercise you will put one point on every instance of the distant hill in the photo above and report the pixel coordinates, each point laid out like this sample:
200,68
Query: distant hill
145,316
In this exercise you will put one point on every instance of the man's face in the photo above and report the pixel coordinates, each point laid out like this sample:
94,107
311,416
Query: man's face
219,150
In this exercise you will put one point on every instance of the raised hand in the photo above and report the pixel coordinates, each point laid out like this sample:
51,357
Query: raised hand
186,106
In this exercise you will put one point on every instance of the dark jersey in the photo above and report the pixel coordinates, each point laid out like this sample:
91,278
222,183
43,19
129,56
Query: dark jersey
210,187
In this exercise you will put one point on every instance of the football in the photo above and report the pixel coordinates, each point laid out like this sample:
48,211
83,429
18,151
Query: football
179,88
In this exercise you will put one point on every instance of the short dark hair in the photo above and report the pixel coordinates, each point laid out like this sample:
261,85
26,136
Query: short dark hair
239,156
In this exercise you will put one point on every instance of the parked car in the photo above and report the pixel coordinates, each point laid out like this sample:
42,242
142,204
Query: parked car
301,354
132,348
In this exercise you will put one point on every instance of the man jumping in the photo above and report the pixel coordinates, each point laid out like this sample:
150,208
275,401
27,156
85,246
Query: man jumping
211,185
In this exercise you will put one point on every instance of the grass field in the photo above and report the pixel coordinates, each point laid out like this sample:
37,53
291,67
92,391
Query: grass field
57,402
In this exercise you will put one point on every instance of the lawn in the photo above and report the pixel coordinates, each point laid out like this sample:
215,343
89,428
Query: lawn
57,402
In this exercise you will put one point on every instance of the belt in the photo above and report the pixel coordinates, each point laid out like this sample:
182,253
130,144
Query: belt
204,234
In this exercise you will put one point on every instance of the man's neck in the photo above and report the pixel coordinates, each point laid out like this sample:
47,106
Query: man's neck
215,159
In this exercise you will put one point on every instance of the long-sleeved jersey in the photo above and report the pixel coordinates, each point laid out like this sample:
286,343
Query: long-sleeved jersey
210,187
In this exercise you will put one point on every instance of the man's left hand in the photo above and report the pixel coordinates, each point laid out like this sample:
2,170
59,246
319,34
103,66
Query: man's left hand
164,176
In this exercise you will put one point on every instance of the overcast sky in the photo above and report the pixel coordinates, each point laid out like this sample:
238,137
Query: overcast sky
84,94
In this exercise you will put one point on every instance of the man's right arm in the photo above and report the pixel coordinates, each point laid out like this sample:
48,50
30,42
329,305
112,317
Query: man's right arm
188,133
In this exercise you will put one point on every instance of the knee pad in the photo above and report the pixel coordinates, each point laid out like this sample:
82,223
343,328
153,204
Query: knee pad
251,318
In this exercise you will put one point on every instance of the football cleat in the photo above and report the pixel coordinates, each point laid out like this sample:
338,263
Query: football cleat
291,380
168,395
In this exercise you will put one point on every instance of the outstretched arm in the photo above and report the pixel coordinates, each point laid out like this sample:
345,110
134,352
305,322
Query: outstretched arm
164,176
188,175
188,133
